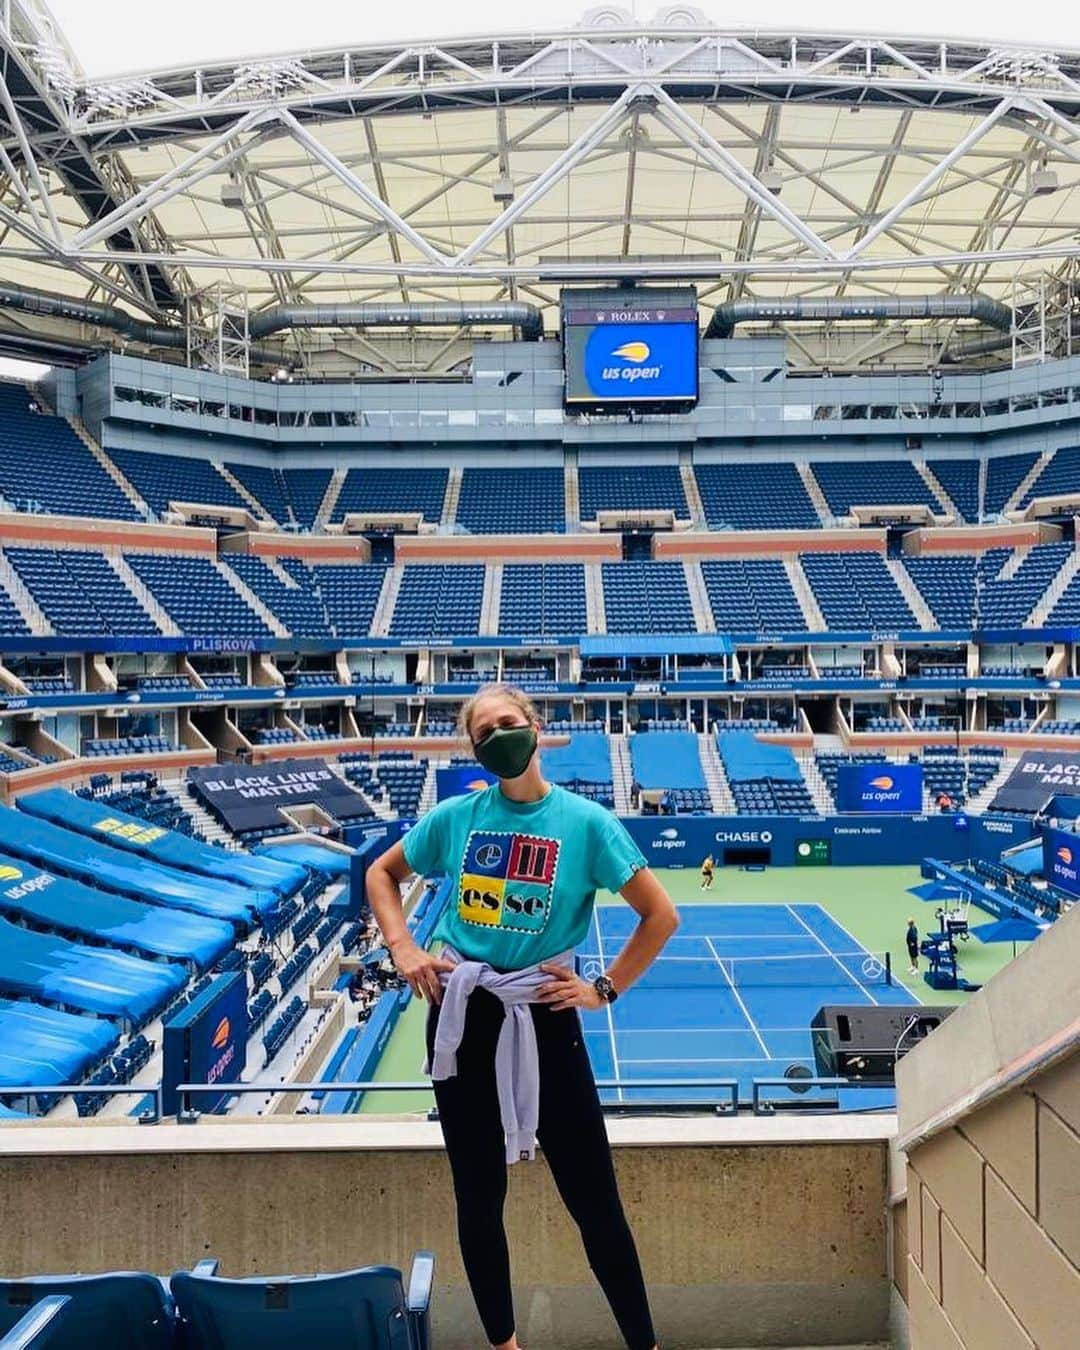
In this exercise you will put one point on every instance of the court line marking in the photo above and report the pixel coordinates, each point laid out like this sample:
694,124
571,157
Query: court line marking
726,1059
610,1019
738,999
918,1001
834,956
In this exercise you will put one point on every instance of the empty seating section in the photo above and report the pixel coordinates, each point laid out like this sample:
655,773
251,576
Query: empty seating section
642,487
1009,602
512,501
306,489
752,596
439,601
1004,474
543,600
44,466
197,597
947,584
298,607
397,778
763,778
669,761
267,486
349,593
755,497
1058,478
161,479
80,593
960,479
129,745
583,766
857,591
885,482
647,597
393,490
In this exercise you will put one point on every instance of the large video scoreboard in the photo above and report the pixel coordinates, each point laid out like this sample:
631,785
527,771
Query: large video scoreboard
630,349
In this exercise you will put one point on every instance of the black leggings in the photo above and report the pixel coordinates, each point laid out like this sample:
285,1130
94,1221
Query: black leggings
572,1135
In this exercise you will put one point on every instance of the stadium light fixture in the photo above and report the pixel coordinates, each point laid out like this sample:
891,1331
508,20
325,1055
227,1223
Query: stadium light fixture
1042,181
232,193
772,180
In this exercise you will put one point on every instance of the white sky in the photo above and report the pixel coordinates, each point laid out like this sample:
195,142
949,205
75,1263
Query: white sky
122,35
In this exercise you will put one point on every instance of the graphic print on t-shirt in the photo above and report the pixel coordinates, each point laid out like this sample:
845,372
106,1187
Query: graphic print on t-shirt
507,880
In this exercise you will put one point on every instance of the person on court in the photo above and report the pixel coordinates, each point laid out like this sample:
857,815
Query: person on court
911,937
505,1043
707,872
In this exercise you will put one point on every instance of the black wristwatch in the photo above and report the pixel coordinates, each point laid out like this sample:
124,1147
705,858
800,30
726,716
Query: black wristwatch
607,991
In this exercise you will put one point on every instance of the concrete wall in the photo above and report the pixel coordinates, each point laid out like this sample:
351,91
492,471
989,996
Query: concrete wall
986,1244
751,1232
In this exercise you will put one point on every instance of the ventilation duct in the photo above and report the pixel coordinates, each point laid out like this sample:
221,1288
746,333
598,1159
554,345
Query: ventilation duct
525,317
91,311
984,346
981,307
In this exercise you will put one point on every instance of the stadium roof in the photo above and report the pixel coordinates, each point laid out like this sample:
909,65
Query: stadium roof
760,165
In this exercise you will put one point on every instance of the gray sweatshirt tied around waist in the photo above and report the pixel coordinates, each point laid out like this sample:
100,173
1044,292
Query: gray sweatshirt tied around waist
517,1061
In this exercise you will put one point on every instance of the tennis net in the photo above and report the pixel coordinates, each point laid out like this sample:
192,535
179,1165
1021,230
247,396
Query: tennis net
741,972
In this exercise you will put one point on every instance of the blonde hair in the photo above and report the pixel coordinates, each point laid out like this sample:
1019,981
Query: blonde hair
518,697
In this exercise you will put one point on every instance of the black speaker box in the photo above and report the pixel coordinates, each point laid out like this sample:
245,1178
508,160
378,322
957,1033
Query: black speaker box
864,1042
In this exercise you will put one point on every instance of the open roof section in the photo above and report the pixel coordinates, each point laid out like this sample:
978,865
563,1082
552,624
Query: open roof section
763,164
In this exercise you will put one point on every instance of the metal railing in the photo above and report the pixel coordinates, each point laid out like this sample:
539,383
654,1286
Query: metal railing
763,1099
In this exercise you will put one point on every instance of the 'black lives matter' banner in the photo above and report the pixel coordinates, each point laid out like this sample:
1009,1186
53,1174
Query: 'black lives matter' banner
1040,775
247,797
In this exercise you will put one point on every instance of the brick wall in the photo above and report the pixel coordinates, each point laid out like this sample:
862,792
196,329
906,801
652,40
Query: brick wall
993,1224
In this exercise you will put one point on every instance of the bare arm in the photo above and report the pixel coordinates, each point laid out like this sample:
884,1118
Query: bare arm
657,920
417,966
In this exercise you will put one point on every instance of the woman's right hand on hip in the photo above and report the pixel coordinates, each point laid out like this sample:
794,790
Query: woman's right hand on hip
419,969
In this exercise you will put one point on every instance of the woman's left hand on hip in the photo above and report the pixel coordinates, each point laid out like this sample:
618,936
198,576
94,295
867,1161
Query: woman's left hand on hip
568,990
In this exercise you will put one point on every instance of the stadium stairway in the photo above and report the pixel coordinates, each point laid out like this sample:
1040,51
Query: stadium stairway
815,620
257,509
453,495
715,778
699,598
571,494
383,616
693,496
211,828
491,601
621,774
911,594
814,492
812,776
595,613
979,802
329,502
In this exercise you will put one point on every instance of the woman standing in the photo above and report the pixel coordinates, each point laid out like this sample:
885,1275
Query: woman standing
505,1042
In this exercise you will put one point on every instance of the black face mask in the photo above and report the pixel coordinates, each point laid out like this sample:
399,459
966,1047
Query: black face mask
506,751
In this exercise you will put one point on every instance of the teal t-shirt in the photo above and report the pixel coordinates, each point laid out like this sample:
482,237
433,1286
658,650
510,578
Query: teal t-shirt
524,874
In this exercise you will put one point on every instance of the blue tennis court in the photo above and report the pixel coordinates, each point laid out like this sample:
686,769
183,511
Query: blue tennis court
731,997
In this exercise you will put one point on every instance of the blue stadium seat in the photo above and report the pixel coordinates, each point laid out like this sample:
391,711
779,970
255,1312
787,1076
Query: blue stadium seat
1004,474
44,466
80,593
367,1309
395,489
196,596
856,591
542,600
752,596
512,501
638,487
1059,477
268,488
160,479
758,496
298,606
862,482
123,1311
960,479
647,597
1009,602
437,600
306,489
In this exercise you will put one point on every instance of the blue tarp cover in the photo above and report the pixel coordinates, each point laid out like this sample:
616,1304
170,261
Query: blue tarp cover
46,1046
328,861
1029,862
748,760
587,759
59,850
73,909
91,979
667,759
128,832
